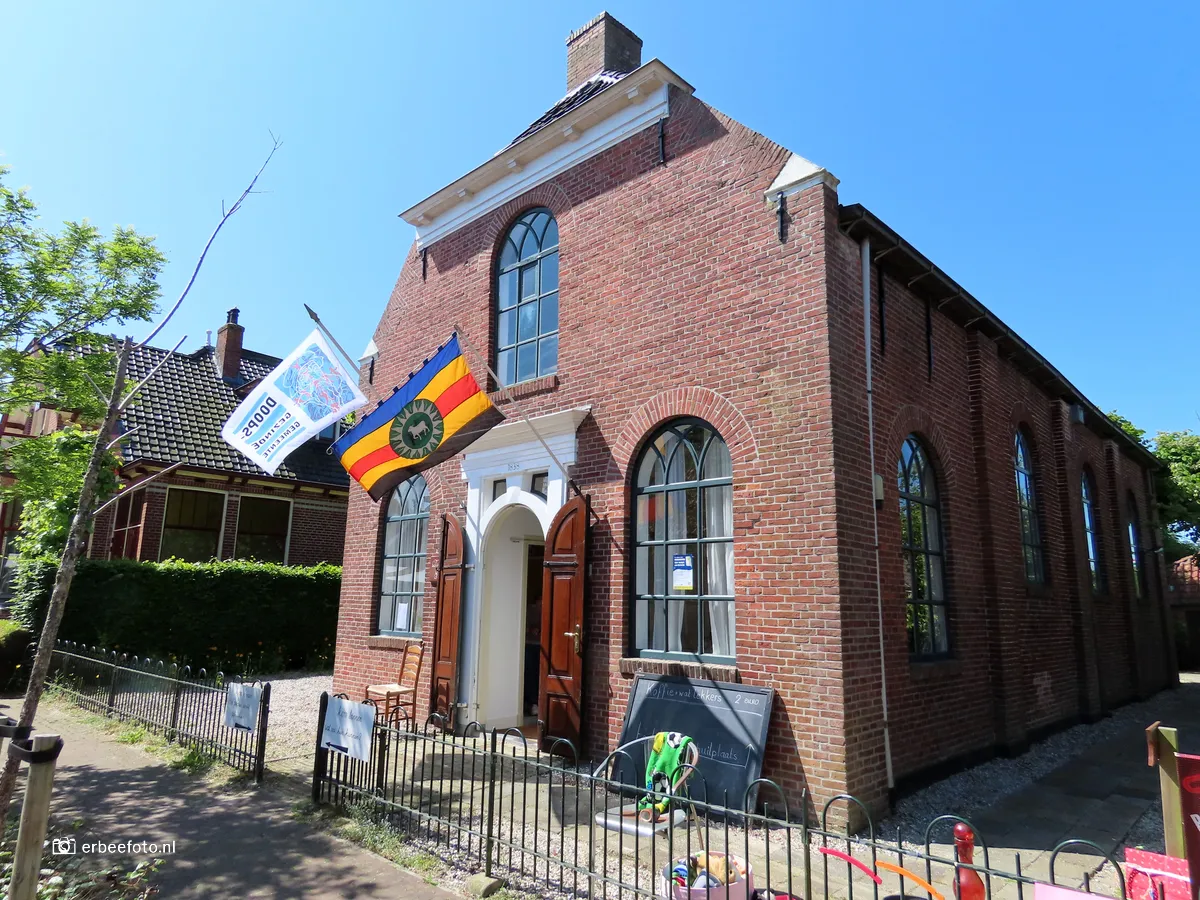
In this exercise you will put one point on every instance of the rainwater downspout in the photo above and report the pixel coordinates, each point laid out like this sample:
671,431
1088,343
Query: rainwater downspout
876,499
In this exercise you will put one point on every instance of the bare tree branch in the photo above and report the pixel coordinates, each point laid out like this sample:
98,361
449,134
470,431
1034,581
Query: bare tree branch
99,393
133,486
122,437
225,214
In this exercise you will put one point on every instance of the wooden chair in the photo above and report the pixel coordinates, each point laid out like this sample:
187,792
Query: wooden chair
401,694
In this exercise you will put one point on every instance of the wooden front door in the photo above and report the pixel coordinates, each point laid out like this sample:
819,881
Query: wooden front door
446,621
562,638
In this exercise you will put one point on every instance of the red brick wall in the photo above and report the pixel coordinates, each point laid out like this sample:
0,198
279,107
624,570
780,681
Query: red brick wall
1023,657
679,299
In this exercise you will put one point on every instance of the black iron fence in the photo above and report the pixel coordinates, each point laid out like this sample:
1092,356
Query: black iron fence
491,801
186,708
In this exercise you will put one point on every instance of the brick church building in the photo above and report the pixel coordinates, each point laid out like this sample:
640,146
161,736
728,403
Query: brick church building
812,461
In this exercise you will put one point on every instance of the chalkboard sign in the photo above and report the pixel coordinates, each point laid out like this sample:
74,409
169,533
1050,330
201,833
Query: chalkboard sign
727,721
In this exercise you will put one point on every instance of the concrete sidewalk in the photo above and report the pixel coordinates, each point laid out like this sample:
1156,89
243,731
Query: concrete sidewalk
244,843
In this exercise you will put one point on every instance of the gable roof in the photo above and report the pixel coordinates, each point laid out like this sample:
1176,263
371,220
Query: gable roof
181,409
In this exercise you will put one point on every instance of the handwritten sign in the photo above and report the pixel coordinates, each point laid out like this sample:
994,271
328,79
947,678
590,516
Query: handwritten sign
727,721
241,706
348,728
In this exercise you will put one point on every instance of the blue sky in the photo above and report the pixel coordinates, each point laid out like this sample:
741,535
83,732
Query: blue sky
1043,157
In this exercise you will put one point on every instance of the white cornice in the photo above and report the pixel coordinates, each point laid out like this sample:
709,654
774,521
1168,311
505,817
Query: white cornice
798,174
517,431
616,113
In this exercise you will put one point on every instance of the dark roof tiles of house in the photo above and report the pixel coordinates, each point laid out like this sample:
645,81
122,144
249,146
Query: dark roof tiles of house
573,100
182,408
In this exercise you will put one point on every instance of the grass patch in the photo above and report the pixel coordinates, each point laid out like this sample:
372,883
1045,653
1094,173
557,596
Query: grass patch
364,826
191,761
131,734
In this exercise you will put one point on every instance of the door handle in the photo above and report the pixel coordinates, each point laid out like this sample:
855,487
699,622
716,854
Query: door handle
577,634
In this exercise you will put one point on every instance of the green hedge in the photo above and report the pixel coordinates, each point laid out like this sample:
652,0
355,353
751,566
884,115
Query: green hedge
237,616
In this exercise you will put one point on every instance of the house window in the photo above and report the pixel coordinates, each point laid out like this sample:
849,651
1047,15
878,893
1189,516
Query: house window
537,484
192,528
1091,532
127,529
402,588
1135,548
1031,531
527,299
262,531
499,488
921,546
683,566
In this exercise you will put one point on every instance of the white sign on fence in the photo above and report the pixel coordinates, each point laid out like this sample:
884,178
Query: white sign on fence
348,728
241,706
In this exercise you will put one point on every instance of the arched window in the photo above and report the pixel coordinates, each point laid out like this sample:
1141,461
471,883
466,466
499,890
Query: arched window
402,586
921,545
1091,532
1031,531
1135,547
527,299
683,564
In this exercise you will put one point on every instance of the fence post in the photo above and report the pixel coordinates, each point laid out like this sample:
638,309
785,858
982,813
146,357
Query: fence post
112,691
490,767
260,753
35,812
321,759
175,709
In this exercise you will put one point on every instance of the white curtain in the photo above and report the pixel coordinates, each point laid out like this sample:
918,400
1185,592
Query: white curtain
718,520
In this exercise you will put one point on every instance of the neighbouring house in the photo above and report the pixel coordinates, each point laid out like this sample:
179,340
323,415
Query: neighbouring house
1184,599
218,504
797,454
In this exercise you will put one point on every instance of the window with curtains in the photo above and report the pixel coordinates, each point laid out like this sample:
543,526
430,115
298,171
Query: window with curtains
402,585
262,529
527,299
1091,532
1135,548
923,555
1031,530
683,537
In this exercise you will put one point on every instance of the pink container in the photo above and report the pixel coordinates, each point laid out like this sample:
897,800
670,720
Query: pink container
743,889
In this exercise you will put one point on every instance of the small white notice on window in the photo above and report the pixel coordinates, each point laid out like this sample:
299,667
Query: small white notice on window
241,706
348,728
682,572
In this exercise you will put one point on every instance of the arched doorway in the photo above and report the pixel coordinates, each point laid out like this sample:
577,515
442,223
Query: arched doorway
513,551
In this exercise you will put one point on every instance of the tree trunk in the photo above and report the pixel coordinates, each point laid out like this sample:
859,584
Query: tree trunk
66,572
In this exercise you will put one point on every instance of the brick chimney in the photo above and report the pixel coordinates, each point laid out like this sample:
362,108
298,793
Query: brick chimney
228,354
603,44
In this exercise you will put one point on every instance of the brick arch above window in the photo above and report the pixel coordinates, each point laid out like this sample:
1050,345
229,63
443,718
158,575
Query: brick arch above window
550,195
683,402
914,420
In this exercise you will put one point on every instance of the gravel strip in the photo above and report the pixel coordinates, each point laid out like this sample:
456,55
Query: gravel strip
292,726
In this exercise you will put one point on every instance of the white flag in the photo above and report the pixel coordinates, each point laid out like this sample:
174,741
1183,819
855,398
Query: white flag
307,391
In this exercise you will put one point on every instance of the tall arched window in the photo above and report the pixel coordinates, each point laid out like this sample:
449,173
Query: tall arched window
527,299
1031,531
683,564
402,586
1091,532
921,545
1135,547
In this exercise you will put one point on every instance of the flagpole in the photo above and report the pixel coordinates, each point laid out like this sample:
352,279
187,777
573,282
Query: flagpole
354,364
513,400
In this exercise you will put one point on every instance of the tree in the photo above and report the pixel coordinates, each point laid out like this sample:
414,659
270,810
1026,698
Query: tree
58,286
1177,484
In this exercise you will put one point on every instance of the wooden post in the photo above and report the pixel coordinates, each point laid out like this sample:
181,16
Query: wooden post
1161,745
35,816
